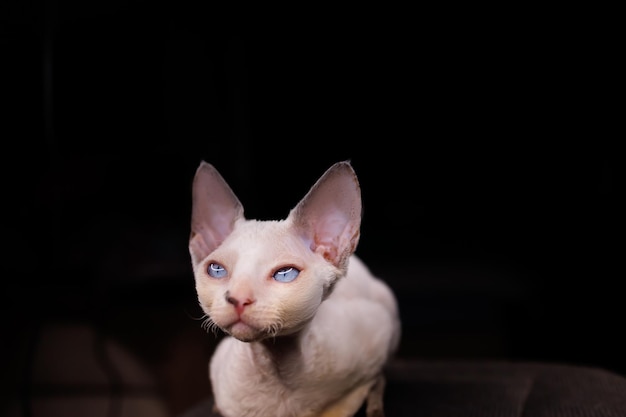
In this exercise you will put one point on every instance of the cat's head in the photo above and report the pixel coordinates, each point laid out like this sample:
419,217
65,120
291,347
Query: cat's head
258,279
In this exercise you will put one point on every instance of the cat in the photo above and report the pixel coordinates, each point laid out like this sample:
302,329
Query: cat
308,328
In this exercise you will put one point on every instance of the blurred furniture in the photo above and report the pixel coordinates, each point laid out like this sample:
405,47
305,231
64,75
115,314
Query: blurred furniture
493,389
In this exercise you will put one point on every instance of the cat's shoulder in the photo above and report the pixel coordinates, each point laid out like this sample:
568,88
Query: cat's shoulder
358,269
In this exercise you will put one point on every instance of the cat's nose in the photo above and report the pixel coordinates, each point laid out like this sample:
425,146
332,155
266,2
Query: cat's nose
239,304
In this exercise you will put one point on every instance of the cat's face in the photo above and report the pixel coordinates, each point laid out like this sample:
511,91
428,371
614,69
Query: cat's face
263,281
259,279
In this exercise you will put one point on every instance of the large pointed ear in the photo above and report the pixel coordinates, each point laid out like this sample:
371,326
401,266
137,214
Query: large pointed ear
329,216
215,208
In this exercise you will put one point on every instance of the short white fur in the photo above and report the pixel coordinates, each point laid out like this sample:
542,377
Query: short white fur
313,347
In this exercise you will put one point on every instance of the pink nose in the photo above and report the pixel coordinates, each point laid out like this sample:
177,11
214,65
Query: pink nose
238,304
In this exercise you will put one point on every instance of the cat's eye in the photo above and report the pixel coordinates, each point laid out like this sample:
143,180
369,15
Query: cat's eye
216,270
286,274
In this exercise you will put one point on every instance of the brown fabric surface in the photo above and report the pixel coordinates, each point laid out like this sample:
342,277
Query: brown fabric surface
494,389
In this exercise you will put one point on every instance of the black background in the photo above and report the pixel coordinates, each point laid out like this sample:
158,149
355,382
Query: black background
482,140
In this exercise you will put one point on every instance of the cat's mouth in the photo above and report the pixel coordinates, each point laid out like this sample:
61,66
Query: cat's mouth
242,329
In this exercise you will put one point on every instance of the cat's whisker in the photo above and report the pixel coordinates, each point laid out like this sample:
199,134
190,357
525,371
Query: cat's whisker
209,325
202,317
275,328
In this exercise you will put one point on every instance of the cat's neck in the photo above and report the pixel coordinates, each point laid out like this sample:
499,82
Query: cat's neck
279,354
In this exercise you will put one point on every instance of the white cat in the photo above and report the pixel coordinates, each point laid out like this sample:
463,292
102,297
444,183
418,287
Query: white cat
310,327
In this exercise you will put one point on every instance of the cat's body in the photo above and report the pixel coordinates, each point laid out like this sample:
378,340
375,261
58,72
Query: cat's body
310,327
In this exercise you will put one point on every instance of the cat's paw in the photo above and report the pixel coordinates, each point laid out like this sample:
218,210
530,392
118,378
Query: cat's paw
374,412
375,399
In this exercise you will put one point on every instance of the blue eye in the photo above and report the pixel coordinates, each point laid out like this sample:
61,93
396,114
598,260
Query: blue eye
216,270
286,274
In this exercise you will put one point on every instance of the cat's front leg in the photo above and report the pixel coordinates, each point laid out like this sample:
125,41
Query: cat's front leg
375,398
348,405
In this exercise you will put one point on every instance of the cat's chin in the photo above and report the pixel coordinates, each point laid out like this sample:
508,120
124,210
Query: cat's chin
245,332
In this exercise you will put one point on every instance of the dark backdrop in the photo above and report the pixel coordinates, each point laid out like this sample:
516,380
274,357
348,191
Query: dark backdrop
480,137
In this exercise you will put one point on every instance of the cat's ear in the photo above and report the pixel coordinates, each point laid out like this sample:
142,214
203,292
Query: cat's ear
215,208
329,216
